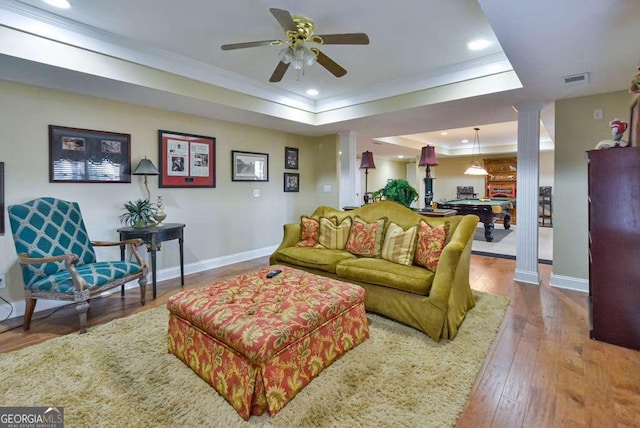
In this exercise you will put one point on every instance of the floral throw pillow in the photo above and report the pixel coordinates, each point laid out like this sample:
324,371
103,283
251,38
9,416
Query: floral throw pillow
431,241
334,237
399,244
309,232
365,239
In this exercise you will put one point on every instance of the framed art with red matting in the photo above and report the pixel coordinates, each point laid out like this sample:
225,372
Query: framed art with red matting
186,160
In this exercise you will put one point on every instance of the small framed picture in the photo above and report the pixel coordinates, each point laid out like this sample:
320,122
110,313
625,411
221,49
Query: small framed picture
290,158
247,166
291,182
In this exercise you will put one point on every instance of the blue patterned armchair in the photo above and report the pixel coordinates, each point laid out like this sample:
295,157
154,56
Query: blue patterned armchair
58,260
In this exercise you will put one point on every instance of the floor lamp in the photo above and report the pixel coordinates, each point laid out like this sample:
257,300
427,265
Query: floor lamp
366,163
428,159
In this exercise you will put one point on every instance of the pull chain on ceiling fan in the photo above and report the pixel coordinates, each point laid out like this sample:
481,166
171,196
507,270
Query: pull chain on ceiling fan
300,31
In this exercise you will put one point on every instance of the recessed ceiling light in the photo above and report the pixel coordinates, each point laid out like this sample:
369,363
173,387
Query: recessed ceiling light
465,141
444,133
312,92
62,4
400,156
477,45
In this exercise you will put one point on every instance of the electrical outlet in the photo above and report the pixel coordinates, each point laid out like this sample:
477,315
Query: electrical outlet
3,281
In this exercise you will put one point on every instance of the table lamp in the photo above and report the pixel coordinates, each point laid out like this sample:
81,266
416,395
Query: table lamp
428,159
366,163
146,167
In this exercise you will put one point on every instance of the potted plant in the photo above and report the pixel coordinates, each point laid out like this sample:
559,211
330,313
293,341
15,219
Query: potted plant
397,190
139,213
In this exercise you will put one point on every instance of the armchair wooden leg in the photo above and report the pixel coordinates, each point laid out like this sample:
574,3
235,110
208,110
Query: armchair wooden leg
81,309
143,288
28,312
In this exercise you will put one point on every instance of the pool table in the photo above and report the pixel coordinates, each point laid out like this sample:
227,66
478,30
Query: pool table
488,210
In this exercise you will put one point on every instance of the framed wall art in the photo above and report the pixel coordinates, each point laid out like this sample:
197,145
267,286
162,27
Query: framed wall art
290,158
248,166
634,124
88,156
291,182
186,160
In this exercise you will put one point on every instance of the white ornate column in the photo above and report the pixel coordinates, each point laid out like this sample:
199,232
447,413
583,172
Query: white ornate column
527,198
348,193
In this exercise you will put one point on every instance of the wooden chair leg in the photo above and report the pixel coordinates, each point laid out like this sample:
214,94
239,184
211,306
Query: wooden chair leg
81,309
143,288
30,306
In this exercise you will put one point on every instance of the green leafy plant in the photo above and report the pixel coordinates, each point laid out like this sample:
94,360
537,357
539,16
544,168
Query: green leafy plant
139,213
397,190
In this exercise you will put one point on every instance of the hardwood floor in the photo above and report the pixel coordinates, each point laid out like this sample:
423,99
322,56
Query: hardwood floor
542,370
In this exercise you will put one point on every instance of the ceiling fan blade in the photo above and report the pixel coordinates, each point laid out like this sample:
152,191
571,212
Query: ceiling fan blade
329,64
345,39
250,44
284,18
278,73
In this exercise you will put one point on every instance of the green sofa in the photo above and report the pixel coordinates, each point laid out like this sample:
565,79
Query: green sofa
434,302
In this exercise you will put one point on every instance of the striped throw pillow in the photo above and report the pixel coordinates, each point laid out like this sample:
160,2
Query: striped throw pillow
334,237
399,244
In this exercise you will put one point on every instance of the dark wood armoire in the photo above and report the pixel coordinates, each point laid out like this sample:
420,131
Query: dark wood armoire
614,246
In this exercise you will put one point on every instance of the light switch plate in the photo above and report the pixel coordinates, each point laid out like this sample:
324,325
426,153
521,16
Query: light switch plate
256,193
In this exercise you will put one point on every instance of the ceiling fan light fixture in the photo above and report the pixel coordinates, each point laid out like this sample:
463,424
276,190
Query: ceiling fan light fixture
285,55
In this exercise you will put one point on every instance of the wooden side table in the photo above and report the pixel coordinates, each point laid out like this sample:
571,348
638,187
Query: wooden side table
153,236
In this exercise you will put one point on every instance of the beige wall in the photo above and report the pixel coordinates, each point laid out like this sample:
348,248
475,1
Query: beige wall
576,132
384,170
326,163
225,221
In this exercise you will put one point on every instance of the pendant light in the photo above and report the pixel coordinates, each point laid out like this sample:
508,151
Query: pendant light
476,167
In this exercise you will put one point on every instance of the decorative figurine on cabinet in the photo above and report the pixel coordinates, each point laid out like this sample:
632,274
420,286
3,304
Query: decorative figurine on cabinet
617,130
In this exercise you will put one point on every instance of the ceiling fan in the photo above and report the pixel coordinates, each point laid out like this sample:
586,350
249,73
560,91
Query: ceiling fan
300,31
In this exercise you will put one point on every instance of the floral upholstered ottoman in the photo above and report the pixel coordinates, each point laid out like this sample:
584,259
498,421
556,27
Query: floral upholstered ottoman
259,341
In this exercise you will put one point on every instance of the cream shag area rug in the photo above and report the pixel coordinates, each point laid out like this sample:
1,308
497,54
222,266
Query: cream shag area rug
120,375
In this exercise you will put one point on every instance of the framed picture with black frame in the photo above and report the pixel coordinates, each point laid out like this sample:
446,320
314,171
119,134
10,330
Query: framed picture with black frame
290,158
186,160
87,156
249,166
291,182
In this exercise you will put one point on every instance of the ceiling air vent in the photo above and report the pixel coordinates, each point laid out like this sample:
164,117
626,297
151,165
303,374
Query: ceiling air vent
576,79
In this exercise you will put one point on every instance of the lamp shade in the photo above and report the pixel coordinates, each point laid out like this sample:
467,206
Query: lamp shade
476,167
428,156
146,167
367,160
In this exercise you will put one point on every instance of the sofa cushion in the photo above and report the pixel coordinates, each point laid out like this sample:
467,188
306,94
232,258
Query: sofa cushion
413,279
430,244
310,230
399,244
334,237
315,258
365,239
